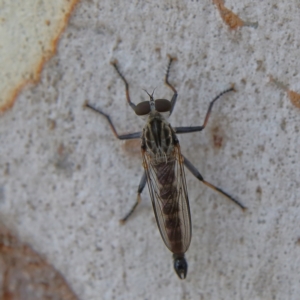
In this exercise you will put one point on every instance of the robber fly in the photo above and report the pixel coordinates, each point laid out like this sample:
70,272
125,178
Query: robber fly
164,169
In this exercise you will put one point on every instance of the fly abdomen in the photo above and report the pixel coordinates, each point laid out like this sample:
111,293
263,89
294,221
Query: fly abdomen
174,234
180,265
172,222
163,154
167,193
171,211
177,247
165,172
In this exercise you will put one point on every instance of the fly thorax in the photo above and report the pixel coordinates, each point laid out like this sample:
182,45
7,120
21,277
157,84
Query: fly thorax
158,138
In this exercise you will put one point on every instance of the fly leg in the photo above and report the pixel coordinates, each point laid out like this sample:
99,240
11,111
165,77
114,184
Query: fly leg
174,98
199,128
197,174
129,136
114,64
138,199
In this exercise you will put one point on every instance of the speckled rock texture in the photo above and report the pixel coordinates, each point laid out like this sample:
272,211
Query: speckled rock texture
66,180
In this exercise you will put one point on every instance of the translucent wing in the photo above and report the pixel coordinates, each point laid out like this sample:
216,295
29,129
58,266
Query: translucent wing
167,187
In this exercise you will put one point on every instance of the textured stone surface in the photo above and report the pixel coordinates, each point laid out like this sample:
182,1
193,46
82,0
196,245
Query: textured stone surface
29,33
66,181
25,275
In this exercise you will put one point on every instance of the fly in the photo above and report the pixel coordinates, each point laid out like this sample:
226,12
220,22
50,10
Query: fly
164,169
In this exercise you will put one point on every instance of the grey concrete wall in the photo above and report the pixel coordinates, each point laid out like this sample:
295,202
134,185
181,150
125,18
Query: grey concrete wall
66,180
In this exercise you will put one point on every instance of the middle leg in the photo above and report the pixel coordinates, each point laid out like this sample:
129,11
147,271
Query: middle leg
138,199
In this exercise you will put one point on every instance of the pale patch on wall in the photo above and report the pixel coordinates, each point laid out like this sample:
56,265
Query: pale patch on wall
29,33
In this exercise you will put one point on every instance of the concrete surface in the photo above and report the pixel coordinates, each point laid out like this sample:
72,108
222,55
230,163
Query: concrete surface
66,181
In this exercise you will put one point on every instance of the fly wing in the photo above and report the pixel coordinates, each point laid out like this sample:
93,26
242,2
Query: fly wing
167,187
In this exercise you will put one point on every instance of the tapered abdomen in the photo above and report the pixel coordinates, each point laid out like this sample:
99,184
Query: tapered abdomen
164,167
170,206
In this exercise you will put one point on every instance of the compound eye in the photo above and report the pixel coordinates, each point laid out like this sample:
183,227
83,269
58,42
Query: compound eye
143,108
162,105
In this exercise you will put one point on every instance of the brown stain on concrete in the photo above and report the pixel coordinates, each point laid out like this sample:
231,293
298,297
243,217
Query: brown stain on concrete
230,18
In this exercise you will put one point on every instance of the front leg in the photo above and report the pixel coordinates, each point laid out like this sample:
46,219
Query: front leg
129,136
138,198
